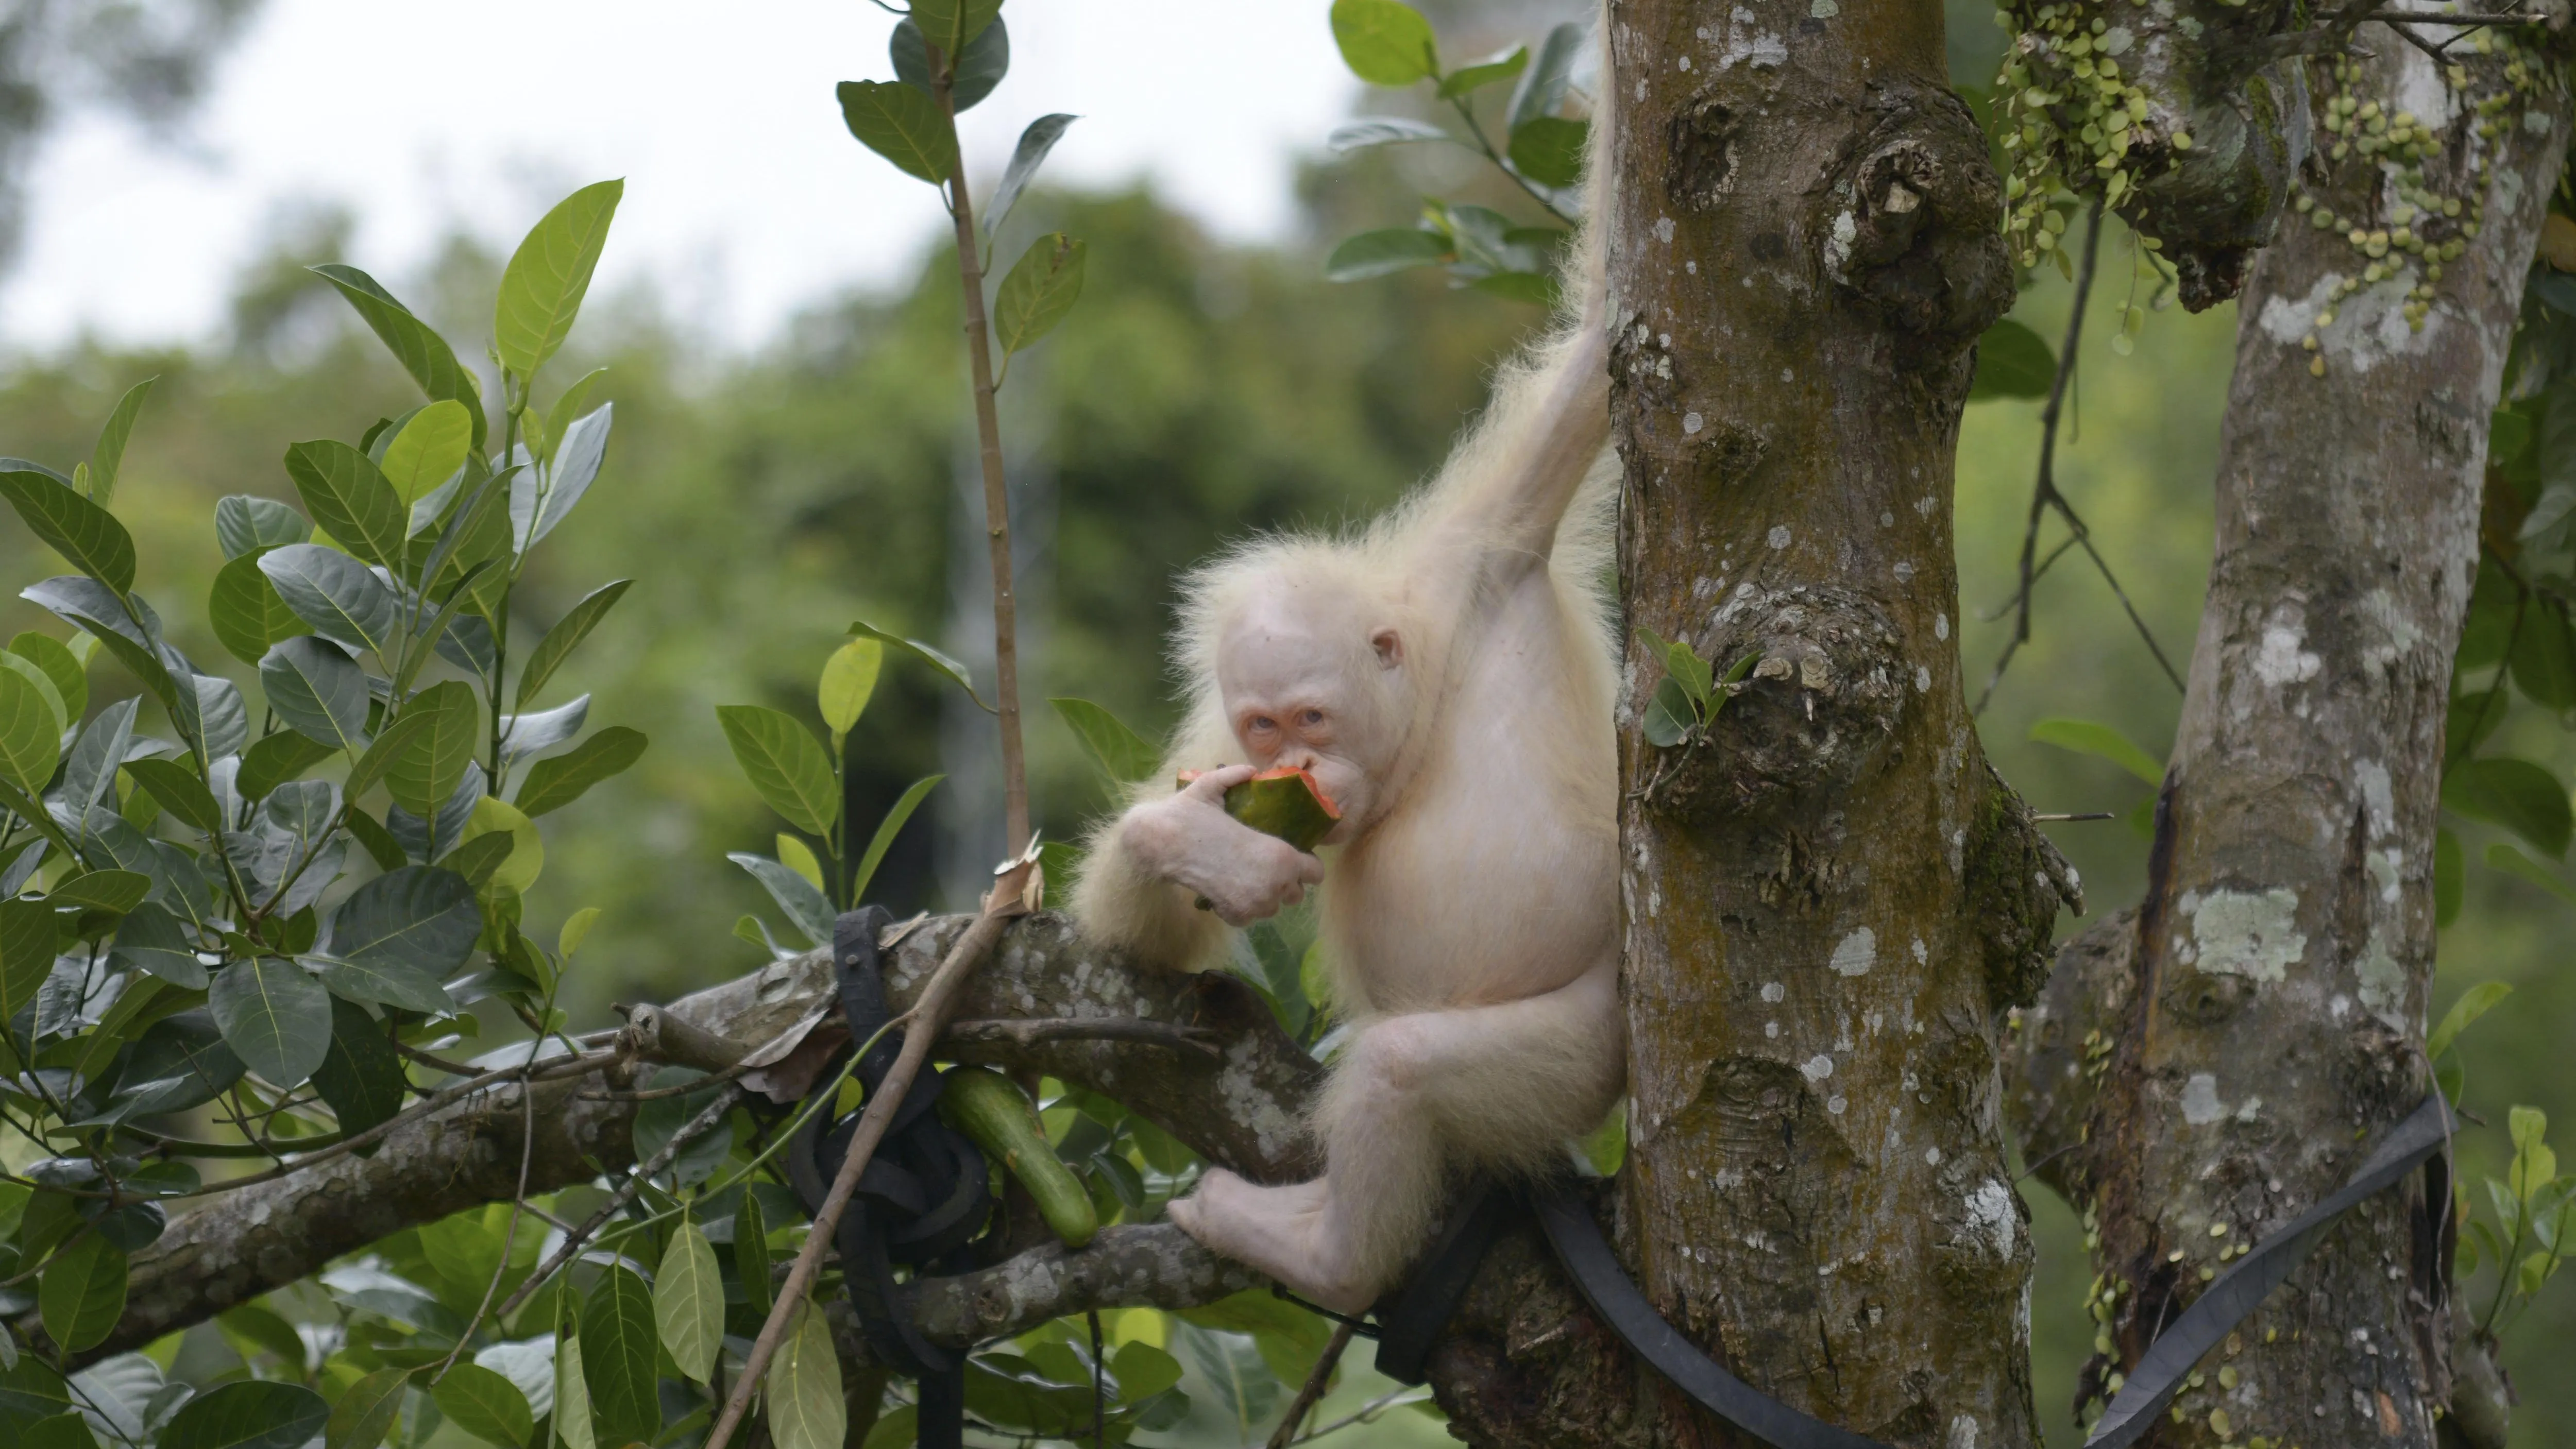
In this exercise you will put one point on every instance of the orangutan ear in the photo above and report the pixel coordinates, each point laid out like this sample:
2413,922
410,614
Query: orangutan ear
1389,646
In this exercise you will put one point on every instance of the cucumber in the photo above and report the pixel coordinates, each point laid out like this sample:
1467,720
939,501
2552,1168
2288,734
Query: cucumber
987,1107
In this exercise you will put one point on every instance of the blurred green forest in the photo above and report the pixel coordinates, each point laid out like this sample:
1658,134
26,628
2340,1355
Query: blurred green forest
763,501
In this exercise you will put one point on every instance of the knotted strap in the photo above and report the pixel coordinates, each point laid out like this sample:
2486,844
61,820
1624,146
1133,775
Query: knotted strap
922,1197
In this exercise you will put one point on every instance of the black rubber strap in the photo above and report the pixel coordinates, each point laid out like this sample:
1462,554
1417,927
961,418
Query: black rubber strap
1410,1319
1579,1245
920,1200
2226,1302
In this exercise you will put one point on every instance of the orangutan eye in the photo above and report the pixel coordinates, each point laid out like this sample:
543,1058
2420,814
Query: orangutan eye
1311,718
1262,724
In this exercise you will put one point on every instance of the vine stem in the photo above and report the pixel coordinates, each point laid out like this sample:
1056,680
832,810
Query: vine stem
1317,1381
997,498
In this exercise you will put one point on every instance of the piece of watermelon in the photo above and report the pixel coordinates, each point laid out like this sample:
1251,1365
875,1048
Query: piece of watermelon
1285,802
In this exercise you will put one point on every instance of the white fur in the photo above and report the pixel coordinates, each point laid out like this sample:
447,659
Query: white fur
1472,921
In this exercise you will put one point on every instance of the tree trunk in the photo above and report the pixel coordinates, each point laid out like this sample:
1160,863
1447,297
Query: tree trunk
2208,1067
1828,901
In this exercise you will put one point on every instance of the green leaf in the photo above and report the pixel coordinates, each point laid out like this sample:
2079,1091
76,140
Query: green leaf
429,450
1383,42
1378,253
542,288
1120,752
617,1359
361,1077
317,690
2501,856
2473,1003
540,498
283,756
1039,291
341,598
751,1254
1543,86
247,612
180,792
2544,655
2012,361
275,1017
153,939
2086,737
553,783
518,870
31,724
60,1431
113,891
937,660
2516,794
108,457
366,1410
348,496
566,636
980,67
902,125
248,1414
1026,157
76,528
688,1302
246,524
1669,716
954,24
69,676
803,1389
849,679
785,763
1467,79
426,749
800,898
26,953
572,1397
82,1293
485,1405
1382,131
422,352
420,920
887,830
1549,150
89,605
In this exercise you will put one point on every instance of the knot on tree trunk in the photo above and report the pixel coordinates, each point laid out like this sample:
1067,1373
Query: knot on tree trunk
2016,883
1812,720
2058,1048
1910,223
2189,118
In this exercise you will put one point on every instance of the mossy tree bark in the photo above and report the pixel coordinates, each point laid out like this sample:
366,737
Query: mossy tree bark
2205,1068
1829,901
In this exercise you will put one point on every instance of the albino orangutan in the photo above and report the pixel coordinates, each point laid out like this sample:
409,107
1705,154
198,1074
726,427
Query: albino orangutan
1448,677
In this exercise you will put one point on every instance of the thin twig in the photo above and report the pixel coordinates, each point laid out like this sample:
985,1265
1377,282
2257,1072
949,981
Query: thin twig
1316,1381
705,1121
2044,494
510,1233
1366,1412
2045,489
1099,1384
2087,815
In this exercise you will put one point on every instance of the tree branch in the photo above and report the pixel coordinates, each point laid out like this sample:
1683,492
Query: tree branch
1243,1107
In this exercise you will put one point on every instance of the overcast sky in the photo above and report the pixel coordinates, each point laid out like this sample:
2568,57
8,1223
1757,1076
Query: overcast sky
744,194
